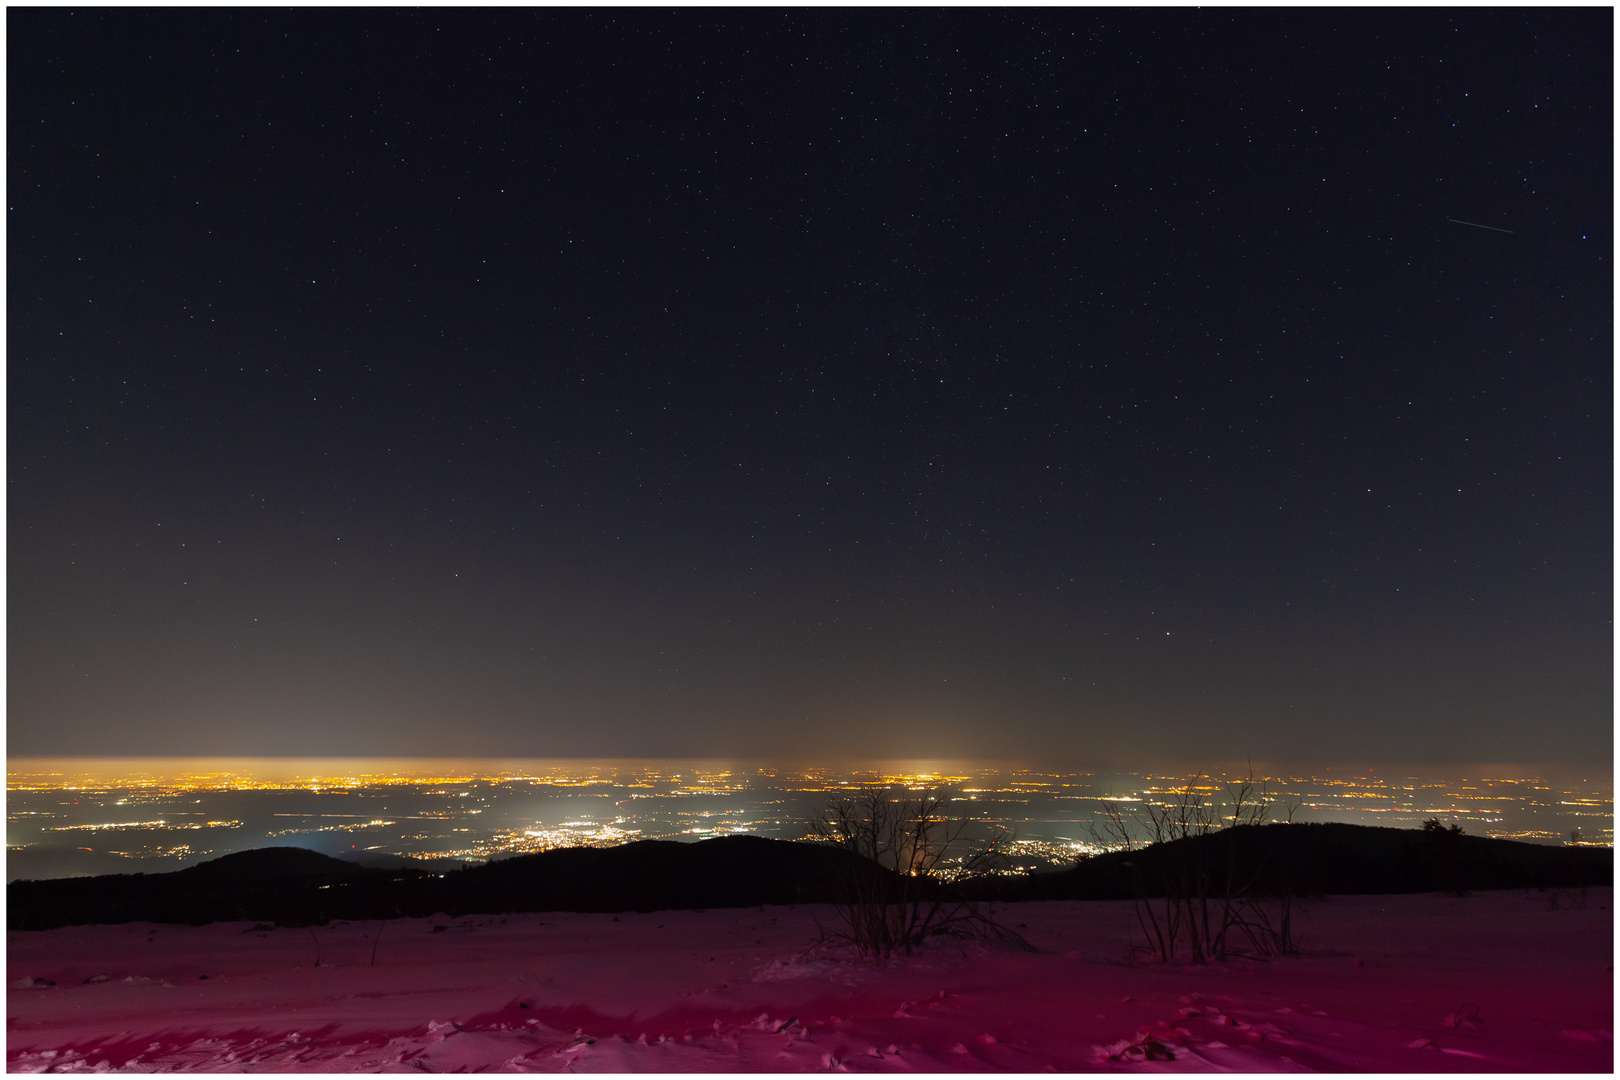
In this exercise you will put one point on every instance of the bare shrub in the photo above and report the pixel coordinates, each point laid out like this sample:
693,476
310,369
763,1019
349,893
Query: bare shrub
1208,905
1577,895
896,894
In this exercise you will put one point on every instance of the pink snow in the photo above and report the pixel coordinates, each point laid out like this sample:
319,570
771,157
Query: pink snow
1490,982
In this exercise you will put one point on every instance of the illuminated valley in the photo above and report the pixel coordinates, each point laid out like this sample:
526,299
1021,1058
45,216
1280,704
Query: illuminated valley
69,817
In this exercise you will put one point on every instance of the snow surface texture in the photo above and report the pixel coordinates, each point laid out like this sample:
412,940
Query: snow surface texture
1489,982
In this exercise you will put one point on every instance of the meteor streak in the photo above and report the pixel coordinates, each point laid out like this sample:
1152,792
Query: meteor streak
1470,224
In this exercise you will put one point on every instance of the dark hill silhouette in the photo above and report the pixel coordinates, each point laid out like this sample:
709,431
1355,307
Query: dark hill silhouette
244,885
378,860
1317,859
261,864
294,887
650,875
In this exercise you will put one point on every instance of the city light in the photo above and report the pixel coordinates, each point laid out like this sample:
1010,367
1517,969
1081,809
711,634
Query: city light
474,811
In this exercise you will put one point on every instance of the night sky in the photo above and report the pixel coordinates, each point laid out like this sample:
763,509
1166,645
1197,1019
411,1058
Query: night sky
1076,386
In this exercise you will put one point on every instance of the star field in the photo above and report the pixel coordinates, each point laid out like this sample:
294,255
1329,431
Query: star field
1077,382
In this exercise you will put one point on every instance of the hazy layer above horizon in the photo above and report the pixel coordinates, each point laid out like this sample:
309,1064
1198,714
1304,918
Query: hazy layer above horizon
228,771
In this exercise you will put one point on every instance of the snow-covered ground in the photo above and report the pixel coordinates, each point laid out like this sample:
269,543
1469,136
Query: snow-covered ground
1489,982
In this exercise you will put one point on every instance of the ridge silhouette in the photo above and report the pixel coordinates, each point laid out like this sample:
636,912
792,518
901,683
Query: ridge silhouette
297,887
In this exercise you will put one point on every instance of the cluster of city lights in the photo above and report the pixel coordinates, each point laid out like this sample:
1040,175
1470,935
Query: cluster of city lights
660,800
354,826
158,824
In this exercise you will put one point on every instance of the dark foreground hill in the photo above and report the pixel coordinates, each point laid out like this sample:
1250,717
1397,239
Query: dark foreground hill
291,886
1318,859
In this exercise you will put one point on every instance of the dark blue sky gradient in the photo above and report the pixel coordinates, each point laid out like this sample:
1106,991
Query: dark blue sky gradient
1068,384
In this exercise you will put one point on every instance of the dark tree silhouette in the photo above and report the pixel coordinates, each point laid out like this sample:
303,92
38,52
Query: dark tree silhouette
896,896
1209,904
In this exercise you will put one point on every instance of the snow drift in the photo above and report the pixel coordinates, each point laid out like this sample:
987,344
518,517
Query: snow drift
1500,981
